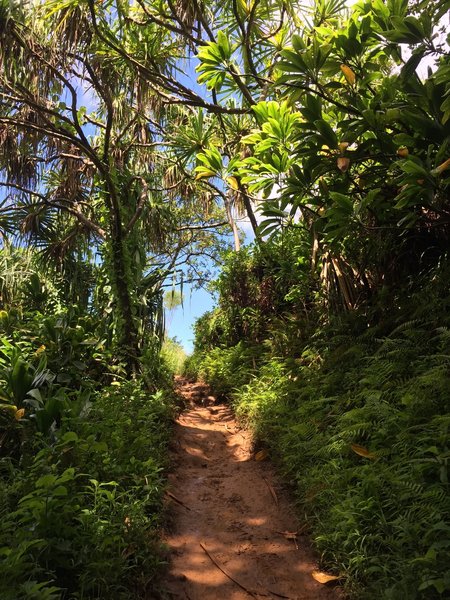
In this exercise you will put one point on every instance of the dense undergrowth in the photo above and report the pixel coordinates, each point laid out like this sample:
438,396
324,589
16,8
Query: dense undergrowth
82,454
80,520
356,411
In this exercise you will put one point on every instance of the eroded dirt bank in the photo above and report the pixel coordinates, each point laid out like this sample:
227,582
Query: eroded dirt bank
229,514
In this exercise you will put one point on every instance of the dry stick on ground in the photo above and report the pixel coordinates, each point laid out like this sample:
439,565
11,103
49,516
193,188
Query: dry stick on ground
177,500
252,593
271,490
214,560
279,595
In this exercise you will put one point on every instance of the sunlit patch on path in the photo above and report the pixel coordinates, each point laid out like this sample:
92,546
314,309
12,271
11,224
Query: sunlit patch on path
233,533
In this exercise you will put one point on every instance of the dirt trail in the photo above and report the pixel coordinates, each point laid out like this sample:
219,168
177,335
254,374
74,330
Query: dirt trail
227,503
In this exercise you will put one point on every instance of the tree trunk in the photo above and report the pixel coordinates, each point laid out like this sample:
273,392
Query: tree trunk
232,222
249,209
128,338
127,332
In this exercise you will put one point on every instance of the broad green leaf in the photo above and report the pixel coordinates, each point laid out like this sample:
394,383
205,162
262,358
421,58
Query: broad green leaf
327,133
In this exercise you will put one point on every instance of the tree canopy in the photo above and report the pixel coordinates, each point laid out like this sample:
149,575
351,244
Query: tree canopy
321,117
135,139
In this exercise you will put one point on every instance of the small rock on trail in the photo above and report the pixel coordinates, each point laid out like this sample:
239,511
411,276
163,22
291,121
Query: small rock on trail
231,526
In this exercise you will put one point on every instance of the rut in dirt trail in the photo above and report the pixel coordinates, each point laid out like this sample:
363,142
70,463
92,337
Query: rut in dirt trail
229,514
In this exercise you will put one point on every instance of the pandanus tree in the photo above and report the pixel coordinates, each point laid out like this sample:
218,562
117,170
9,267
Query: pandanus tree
85,97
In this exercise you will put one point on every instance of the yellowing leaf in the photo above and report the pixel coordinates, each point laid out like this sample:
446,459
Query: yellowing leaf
3,315
232,182
361,451
246,6
438,170
40,350
348,74
323,577
204,173
261,455
19,414
343,164
10,407
403,152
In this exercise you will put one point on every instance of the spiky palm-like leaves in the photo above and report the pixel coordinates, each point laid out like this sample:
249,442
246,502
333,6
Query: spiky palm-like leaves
83,99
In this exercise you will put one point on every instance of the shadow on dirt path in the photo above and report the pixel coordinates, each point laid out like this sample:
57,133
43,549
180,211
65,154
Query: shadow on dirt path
230,522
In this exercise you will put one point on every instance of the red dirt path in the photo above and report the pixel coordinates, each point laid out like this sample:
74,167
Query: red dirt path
225,502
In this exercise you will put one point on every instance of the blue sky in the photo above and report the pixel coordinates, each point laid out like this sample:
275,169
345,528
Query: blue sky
179,322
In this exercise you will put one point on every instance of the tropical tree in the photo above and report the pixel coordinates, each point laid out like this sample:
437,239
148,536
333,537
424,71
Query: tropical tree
336,126
84,166
363,160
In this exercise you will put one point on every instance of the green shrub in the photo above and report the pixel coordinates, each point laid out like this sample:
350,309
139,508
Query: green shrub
225,369
82,520
357,416
362,434
173,355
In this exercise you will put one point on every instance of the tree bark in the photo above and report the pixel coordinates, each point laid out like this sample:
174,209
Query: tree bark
232,222
248,208
128,337
127,328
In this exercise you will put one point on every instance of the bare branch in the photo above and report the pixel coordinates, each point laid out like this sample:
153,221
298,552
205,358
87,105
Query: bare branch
204,226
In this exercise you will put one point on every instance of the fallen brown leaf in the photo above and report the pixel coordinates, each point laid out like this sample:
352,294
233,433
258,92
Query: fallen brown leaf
290,535
261,455
324,577
361,451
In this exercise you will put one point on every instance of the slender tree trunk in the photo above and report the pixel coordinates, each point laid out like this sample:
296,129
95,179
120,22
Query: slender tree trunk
120,271
127,329
232,222
249,209
251,214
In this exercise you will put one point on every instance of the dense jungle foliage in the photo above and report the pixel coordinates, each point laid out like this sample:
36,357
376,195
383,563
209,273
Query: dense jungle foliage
135,139
355,408
331,334
82,448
